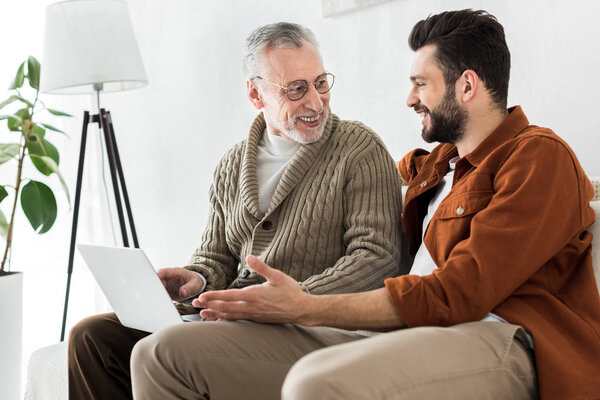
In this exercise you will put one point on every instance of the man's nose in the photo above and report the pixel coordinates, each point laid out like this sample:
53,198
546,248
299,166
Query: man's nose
412,98
314,99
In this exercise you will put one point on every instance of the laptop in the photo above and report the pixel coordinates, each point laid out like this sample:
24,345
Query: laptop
132,287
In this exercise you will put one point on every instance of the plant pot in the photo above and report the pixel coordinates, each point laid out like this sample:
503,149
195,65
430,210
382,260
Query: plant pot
11,334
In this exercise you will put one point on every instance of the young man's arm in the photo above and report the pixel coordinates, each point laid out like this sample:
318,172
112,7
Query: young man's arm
280,300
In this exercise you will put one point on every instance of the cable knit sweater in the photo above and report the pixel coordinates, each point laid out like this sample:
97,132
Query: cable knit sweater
333,223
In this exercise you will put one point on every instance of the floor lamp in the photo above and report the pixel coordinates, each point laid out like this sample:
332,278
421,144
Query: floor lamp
90,48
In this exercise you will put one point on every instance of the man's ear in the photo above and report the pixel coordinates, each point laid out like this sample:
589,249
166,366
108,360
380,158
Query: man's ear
254,95
468,85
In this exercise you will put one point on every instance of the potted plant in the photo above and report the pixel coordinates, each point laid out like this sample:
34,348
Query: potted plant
27,141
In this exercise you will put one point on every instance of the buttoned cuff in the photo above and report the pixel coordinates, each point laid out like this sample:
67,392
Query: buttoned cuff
417,300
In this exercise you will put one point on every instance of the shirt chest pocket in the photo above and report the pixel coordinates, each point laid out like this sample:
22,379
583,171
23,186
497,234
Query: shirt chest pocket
463,205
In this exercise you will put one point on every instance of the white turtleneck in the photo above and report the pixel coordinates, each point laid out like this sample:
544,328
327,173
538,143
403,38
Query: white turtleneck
273,155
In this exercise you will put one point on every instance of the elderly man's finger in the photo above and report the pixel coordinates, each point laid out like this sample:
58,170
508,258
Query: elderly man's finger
162,274
168,273
191,288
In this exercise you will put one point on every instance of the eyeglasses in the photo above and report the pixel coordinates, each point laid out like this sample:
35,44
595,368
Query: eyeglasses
297,89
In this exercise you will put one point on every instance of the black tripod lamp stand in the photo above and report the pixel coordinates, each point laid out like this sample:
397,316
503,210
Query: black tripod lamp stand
104,121
90,47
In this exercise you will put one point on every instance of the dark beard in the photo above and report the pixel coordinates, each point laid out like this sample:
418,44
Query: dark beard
448,120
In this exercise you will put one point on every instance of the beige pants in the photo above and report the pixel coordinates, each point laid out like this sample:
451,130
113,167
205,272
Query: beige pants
245,360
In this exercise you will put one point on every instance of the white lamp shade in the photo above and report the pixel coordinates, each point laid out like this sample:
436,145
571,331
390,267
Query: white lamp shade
88,43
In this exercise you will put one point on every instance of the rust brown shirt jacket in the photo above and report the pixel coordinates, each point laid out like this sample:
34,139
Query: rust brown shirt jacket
511,239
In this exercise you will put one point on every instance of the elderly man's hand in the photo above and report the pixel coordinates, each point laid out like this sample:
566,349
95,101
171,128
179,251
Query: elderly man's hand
279,300
180,282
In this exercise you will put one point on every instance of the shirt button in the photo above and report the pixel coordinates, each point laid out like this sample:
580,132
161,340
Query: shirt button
460,211
423,184
267,225
245,273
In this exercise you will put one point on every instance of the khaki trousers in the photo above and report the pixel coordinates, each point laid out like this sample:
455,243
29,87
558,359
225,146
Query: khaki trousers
245,360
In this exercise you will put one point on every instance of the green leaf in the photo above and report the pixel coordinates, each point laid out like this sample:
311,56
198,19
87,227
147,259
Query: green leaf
16,120
42,148
52,128
59,113
14,123
33,72
19,78
23,113
3,193
24,100
3,225
39,206
38,131
8,101
54,168
8,151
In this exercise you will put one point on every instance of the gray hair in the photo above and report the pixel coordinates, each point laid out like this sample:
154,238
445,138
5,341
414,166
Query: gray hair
281,34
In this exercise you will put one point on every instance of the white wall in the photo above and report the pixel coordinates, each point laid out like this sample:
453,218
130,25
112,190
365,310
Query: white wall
195,107
172,133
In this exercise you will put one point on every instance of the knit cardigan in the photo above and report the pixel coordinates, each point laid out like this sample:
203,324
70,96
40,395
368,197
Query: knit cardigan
333,224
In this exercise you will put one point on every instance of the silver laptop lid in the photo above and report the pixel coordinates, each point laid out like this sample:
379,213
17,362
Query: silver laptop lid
131,286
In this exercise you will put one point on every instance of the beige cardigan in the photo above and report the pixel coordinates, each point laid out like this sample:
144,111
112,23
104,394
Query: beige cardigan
333,224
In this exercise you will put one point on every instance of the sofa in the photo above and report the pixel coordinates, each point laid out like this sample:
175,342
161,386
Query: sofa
47,370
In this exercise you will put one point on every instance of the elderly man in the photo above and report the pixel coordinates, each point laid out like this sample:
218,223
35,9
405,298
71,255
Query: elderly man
501,302
315,196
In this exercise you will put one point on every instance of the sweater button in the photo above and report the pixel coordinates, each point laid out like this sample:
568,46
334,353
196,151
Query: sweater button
267,225
245,273
460,211
423,184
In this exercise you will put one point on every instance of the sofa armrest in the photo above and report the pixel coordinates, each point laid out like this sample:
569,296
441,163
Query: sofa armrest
47,374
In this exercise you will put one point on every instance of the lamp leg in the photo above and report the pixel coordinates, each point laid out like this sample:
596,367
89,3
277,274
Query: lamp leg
86,120
113,173
114,162
122,181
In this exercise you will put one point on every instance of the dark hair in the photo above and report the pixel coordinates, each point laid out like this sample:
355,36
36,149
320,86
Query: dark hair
467,39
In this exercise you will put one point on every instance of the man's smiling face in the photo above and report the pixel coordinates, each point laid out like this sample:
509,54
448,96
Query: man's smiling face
303,120
444,120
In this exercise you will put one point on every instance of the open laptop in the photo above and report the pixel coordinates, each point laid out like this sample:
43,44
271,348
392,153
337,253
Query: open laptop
132,287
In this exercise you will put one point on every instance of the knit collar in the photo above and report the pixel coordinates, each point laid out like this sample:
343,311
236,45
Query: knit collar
304,158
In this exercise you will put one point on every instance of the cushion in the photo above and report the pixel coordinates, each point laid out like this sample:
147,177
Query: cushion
596,184
47,374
